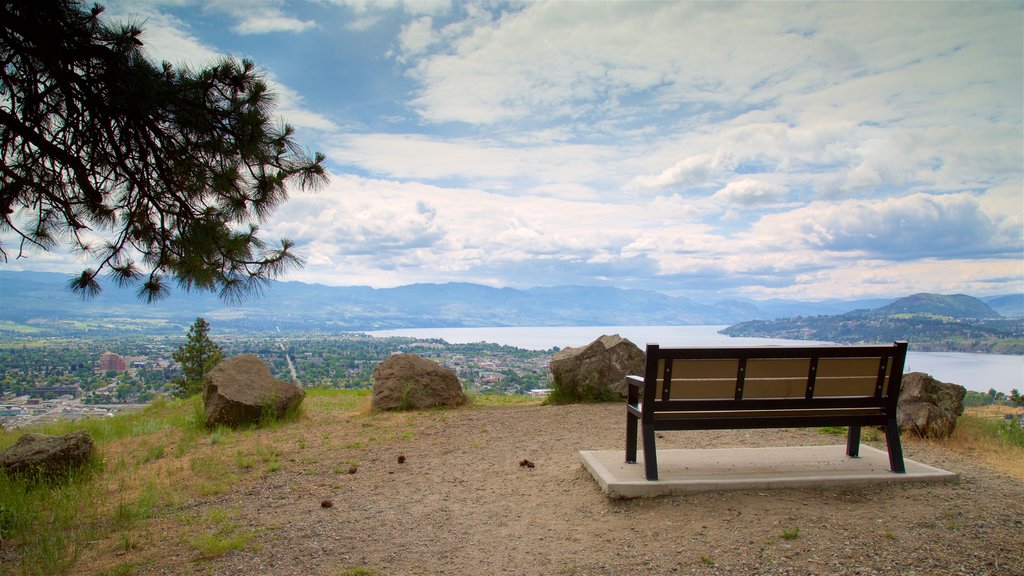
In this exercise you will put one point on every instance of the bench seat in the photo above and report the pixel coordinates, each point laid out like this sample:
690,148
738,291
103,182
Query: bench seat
765,387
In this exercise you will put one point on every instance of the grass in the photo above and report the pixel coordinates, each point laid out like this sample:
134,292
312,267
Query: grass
122,512
869,434
220,535
102,519
790,533
984,434
9,326
495,401
563,394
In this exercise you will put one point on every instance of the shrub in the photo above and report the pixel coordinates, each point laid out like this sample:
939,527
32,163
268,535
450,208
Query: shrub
562,393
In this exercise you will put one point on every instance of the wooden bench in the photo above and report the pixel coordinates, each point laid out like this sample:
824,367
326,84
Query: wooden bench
766,387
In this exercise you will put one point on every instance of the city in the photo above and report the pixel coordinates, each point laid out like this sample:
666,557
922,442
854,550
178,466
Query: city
70,378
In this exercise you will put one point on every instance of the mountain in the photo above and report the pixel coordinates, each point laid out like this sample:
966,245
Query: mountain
954,306
1009,305
934,322
35,297
40,302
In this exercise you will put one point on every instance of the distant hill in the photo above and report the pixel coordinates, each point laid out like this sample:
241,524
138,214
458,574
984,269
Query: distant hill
39,303
954,306
1009,305
933,322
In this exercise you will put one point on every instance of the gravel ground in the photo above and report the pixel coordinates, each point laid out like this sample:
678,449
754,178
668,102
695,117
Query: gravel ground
463,503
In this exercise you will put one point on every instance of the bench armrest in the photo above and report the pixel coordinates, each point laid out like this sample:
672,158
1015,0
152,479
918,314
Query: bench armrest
634,387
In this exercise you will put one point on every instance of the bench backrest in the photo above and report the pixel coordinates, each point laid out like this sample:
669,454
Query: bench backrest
775,376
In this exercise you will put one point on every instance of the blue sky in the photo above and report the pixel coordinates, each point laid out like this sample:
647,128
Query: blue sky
762,150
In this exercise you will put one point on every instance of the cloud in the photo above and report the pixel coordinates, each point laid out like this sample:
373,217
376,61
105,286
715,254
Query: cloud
259,16
291,106
899,228
167,38
748,192
688,172
884,278
477,161
414,7
417,36
271,22
805,150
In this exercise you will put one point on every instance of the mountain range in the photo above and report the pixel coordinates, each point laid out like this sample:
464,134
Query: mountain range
930,322
41,300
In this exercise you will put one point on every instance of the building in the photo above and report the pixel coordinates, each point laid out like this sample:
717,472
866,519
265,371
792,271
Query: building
111,361
54,391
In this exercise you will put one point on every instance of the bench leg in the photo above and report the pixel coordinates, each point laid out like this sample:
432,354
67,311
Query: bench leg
853,442
892,441
631,424
650,454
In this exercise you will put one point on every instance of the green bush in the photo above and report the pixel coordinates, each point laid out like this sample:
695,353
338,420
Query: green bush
561,393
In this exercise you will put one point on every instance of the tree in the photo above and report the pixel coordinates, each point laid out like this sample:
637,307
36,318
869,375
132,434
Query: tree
197,356
151,171
1016,398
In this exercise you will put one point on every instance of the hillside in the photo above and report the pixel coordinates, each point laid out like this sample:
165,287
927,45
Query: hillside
40,302
1009,305
327,495
956,306
930,322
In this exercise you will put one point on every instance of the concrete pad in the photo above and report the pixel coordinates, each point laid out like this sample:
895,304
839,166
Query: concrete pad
703,470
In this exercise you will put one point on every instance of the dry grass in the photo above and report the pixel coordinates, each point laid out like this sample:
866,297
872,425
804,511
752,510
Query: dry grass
159,467
977,435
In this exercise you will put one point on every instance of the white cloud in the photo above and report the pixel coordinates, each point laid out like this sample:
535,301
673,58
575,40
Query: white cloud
165,37
271,22
748,192
688,172
770,149
417,36
899,228
259,16
884,278
477,161
168,38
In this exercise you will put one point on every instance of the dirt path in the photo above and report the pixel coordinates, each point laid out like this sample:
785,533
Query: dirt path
461,503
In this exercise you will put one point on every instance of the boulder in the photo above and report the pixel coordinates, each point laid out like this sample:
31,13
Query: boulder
406,381
50,456
927,407
241,391
597,370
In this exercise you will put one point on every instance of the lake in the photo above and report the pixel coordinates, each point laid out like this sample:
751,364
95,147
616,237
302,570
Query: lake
977,372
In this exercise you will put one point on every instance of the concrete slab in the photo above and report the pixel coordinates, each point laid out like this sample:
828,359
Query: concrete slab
703,470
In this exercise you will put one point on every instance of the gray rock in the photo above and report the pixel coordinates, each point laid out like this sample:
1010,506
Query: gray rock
927,407
50,456
597,370
241,391
407,381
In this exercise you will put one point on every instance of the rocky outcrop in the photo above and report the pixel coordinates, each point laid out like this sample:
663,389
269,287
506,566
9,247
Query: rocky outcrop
927,407
408,381
598,370
48,456
241,391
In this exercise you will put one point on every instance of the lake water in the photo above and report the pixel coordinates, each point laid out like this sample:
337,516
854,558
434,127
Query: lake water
977,372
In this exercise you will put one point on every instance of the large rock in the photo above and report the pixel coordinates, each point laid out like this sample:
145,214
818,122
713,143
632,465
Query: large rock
49,456
927,407
406,381
597,370
240,391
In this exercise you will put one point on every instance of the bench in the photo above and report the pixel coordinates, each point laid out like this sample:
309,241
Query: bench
766,387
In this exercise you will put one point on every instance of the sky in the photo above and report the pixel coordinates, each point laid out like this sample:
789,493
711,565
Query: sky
704,149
